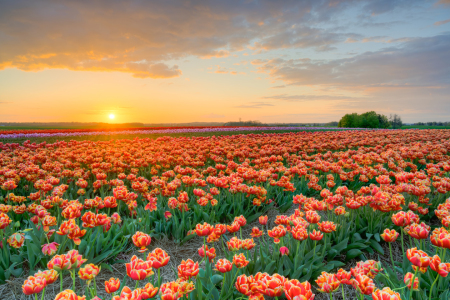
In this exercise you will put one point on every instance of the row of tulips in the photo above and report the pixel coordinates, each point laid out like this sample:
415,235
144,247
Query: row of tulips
346,192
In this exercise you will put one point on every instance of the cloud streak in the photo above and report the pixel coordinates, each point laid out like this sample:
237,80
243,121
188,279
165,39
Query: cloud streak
144,38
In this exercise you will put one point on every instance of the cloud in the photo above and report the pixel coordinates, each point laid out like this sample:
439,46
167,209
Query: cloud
254,105
212,116
419,62
441,22
302,98
278,87
145,38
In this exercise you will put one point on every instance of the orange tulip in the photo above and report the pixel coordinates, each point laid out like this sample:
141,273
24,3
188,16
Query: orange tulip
263,220
328,283
256,232
69,295
137,269
158,257
203,230
16,240
389,236
408,281
188,269
418,257
112,285
294,290
33,285
315,235
240,261
439,267
141,240
224,265
386,294
88,272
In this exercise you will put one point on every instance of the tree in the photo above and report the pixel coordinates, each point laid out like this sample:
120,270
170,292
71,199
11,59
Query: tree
396,121
383,121
369,120
349,121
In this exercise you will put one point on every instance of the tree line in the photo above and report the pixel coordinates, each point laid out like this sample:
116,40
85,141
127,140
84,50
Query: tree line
370,119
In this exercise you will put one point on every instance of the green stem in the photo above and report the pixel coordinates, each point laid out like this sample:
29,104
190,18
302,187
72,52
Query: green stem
137,284
95,288
412,283
343,292
61,282
392,258
403,249
72,272
159,277
431,288
43,293
331,296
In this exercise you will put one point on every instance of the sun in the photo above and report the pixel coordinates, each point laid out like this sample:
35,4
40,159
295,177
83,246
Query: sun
112,116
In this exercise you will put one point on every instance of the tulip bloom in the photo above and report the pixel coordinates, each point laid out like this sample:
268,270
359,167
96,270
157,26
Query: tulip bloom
203,230
276,233
69,295
263,220
328,283
112,285
315,235
386,294
50,249
88,272
327,227
33,285
284,251
344,276
419,232
389,236
234,244
247,286
418,257
141,240
312,217
256,232
59,263
234,227
439,267
137,269
16,240
158,257
224,265
363,284
440,238
408,281
188,269
295,290
272,286
49,275
240,261
75,259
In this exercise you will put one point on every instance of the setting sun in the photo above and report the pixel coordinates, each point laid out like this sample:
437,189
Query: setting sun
112,116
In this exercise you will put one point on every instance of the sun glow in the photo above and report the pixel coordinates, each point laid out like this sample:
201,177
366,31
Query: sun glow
112,116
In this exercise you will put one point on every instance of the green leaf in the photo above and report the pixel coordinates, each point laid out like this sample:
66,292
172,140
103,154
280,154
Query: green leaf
106,266
376,246
216,279
353,253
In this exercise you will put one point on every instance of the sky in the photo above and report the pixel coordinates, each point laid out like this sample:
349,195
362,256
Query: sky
217,61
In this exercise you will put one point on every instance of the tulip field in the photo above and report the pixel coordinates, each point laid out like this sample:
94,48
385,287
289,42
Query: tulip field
298,215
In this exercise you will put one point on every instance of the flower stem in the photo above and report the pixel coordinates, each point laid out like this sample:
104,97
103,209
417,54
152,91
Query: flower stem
61,282
431,288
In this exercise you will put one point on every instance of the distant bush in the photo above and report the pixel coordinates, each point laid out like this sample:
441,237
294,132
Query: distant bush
369,119
245,123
